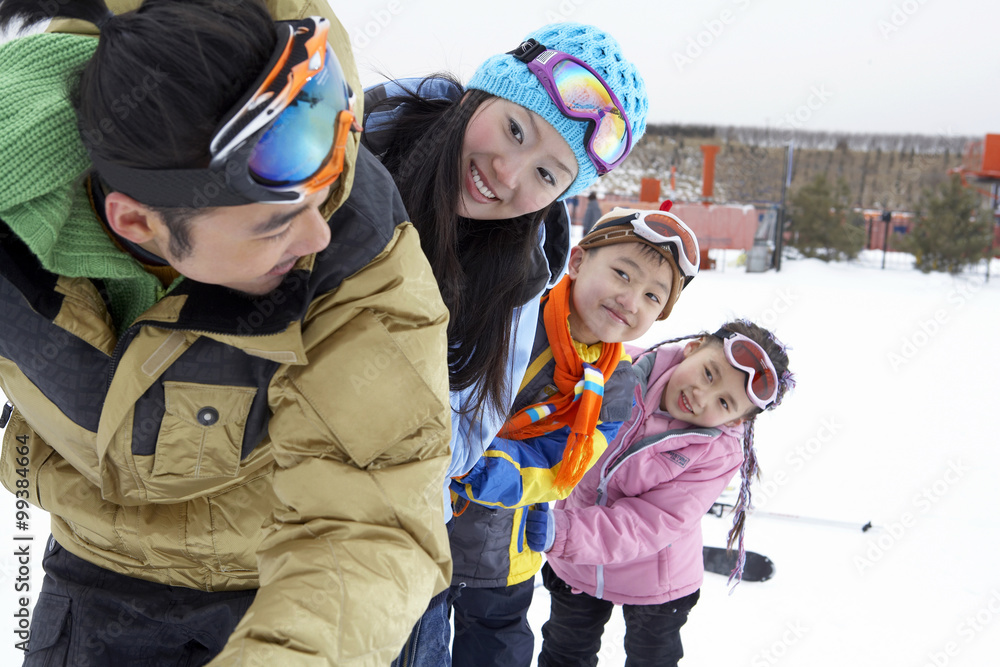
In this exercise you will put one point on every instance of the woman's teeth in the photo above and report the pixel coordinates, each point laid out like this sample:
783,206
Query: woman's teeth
483,190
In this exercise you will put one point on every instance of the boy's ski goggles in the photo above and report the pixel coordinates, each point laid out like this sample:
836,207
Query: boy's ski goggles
749,357
664,230
580,92
284,140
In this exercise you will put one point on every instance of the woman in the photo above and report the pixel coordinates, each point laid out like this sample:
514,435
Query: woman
479,168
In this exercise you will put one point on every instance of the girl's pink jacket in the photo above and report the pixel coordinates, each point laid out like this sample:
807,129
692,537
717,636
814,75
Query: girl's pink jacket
630,532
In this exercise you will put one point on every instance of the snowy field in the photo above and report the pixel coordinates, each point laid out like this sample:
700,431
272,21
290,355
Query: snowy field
890,424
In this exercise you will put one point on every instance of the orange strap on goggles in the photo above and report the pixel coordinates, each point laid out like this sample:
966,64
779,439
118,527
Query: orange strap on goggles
285,139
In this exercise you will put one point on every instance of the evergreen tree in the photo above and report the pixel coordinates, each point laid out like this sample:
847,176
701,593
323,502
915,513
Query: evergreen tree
821,224
950,231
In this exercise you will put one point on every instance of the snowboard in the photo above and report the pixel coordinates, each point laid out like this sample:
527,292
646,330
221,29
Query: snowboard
758,566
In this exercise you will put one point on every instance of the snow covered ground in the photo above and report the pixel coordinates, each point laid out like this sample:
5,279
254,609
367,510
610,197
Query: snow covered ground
891,423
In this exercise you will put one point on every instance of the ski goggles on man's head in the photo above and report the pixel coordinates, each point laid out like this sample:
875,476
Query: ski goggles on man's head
579,92
748,356
661,229
284,140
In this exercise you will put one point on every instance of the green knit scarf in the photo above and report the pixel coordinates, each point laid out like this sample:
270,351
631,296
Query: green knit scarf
42,193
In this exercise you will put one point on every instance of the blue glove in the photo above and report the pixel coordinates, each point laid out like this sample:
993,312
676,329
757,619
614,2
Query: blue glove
540,528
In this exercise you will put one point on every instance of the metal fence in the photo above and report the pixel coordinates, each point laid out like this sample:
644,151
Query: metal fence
901,261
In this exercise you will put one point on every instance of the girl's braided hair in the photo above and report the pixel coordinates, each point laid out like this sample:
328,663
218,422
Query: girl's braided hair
778,353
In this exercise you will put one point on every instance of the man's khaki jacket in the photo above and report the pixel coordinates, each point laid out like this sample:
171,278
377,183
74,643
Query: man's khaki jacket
294,443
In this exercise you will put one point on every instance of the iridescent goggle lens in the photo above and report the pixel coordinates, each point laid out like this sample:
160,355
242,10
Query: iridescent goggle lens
300,141
584,94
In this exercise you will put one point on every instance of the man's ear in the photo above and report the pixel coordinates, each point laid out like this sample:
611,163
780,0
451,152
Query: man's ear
576,255
130,219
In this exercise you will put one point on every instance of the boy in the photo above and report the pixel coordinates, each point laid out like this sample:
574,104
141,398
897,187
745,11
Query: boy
625,274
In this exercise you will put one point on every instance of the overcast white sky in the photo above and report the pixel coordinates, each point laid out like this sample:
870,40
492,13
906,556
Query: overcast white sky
901,66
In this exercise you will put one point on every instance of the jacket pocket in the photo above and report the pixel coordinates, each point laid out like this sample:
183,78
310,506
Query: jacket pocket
201,435
24,454
51,623
224,530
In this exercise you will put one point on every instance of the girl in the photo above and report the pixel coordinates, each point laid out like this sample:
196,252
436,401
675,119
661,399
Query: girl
630,533
479,168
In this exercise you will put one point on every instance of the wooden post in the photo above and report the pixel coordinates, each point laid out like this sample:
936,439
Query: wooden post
649,190
708,173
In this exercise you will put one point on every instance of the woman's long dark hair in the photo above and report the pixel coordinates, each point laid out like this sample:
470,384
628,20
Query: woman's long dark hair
163,76
482,266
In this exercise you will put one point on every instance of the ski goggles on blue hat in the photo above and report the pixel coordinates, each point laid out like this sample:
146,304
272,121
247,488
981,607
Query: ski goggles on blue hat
580,93
284,140
748,356
660,229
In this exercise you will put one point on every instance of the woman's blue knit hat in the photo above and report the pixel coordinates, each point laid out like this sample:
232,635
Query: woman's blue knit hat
504,76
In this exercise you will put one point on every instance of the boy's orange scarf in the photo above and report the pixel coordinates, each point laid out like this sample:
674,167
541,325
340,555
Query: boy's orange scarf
581,392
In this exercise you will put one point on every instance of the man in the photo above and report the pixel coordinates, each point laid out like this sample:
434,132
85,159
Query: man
224,351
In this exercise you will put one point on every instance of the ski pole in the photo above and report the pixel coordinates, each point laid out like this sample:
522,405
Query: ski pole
718,509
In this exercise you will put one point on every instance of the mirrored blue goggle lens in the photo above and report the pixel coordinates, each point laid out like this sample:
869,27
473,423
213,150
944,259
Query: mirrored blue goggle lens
299,141
585,94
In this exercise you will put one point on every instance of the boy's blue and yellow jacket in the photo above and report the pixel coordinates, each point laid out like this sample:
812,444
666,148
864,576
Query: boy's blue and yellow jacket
491,502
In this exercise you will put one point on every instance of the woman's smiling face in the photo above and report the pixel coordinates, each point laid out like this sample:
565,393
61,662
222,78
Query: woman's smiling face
513,162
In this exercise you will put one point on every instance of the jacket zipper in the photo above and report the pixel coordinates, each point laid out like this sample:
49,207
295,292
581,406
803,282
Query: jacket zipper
123,342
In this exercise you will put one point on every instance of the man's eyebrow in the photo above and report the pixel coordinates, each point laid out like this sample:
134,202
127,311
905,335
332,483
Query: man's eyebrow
534,127
279,219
